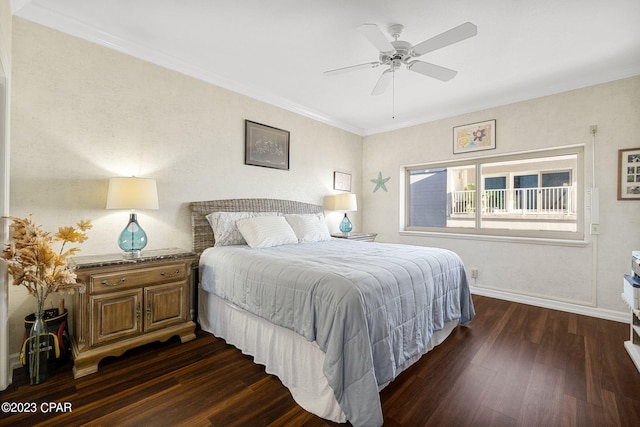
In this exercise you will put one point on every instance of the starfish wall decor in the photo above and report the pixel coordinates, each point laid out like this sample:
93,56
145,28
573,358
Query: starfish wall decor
380,182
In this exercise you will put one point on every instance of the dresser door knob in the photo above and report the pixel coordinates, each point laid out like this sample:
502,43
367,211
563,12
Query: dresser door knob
106,283
170,275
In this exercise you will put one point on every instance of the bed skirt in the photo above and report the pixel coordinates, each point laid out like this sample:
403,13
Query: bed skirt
284,353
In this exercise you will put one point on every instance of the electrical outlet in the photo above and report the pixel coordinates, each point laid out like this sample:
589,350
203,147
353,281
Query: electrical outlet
593,129
474,273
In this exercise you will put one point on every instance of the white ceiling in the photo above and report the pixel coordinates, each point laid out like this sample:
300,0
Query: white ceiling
276,50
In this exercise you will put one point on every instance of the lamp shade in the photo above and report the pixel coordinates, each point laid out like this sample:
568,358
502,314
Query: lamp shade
132,193
346,202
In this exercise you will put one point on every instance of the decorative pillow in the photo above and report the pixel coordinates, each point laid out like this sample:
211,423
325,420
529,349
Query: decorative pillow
309,228
266,231
224,226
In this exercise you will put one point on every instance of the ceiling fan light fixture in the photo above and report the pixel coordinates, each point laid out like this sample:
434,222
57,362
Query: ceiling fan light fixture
397,52
402,49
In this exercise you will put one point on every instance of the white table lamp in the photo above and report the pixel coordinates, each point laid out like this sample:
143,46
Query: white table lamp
346,202
132,193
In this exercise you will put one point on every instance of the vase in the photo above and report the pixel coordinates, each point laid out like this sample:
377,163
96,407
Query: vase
38,350
133,238
345,225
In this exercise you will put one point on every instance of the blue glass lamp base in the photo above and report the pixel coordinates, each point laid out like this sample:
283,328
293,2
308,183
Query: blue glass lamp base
133,238
345,225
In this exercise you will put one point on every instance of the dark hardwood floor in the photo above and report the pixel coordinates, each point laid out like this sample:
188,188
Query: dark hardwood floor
515,365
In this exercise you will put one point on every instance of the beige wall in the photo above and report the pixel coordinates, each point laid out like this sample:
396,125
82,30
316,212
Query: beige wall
5,26
82,113
5,71
590,274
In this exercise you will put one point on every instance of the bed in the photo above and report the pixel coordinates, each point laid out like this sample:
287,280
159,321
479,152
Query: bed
336,320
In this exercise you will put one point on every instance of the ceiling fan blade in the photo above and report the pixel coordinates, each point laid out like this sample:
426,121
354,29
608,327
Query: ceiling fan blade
383,82
351,68
454,35
377,38
432,70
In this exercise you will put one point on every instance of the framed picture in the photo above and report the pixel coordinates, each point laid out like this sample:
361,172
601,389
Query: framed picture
629,174
266,146
342,181
474,137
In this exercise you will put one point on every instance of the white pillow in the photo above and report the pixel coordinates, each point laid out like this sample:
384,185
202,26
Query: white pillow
309,228
224,226
266,231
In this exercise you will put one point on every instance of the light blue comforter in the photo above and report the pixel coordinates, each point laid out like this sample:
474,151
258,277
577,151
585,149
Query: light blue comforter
371,307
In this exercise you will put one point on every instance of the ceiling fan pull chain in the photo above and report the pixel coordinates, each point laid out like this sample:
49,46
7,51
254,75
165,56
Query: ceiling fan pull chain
393,95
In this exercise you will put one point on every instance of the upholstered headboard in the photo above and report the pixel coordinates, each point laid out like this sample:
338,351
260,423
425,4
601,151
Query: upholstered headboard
202,232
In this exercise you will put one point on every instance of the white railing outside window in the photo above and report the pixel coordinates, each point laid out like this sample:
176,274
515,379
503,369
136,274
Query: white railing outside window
524,201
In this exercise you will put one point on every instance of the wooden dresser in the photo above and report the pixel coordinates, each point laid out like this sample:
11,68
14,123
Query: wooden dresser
130,302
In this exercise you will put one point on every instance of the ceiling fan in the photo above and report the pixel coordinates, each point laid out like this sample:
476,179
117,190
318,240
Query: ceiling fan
397,52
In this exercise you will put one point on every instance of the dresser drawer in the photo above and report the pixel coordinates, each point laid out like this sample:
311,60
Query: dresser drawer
124,279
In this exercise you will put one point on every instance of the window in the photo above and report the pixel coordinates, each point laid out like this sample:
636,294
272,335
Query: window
529,194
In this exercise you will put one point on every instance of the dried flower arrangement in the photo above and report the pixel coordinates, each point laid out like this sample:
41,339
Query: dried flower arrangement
33,262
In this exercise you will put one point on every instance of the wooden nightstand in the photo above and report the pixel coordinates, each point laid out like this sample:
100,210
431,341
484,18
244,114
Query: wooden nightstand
130,302
365,237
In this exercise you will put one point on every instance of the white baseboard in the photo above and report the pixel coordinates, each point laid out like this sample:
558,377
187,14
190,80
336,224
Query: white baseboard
618,316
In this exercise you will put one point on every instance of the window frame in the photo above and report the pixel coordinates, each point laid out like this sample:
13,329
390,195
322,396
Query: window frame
477,229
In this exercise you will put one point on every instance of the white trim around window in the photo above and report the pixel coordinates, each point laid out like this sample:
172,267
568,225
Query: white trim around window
525,209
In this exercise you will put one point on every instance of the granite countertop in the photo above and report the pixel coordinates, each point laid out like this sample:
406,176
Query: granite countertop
91,261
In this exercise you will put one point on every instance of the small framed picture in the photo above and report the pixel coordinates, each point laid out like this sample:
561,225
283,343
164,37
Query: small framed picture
266,146
474,137
629,174
342,181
